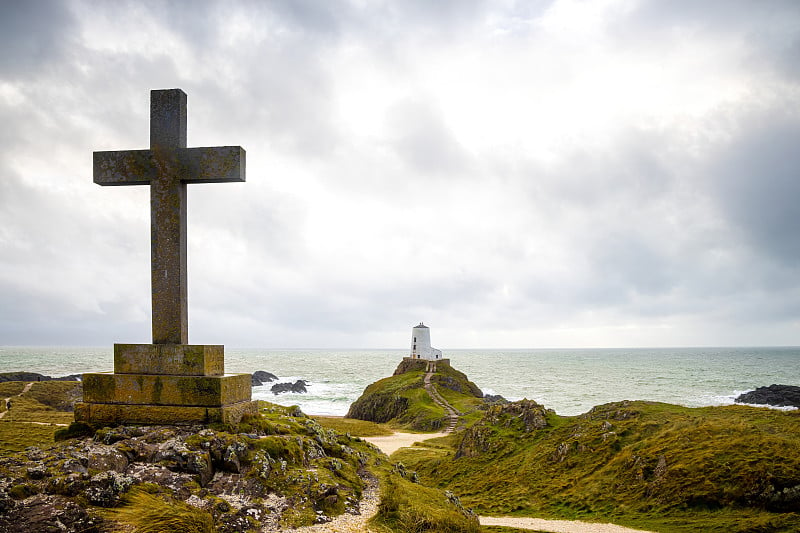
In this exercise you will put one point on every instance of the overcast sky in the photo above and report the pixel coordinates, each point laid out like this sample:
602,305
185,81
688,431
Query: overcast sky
514,174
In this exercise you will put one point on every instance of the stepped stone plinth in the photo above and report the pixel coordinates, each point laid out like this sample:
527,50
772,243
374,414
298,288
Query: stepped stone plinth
165,384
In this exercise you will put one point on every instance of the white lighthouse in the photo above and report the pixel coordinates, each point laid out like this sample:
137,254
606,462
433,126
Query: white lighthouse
421,344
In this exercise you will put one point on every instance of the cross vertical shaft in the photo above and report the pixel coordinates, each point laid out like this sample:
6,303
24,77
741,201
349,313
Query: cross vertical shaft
168,220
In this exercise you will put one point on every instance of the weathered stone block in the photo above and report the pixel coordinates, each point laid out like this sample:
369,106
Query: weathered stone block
113,414
173,359
148,389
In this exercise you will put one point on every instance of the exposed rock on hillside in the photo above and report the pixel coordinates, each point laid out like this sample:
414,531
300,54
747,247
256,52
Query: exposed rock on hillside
523,416
280,470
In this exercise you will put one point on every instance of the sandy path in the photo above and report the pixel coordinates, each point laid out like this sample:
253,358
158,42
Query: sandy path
555,526
391,443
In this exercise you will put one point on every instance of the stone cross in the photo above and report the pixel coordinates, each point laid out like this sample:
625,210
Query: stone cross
167,167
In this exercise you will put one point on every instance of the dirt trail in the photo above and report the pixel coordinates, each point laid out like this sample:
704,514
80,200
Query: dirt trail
555,526
350,523
452,413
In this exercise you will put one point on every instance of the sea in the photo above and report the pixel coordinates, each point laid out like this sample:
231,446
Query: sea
570,381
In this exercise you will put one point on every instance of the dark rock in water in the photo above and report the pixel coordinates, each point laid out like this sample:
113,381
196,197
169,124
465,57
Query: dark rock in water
298,386
33,376
775,395
260,377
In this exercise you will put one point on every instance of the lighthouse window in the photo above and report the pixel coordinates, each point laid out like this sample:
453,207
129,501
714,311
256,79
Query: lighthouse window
415,339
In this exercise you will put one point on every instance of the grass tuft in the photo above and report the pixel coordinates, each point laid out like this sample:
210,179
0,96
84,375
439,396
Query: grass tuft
148,513
412,508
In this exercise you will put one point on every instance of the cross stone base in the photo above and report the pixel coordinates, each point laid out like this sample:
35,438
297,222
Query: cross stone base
165,384
100,414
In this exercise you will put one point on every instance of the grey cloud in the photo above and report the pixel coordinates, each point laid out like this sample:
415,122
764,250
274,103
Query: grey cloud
756,181
34,35
735,16
768,29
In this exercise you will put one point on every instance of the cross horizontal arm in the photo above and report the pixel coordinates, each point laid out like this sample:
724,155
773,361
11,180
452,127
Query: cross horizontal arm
129,167
139,167
213,165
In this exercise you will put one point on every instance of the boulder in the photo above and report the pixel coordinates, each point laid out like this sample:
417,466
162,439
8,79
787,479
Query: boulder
298,386
260,377
775,395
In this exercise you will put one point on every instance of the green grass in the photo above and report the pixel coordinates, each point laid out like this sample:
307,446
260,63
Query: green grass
15,437
649,465
149,513
60,395
9,388
23,425
356,428
409,507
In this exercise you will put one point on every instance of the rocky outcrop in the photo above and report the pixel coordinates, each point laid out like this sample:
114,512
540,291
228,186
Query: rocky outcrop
33,376
494,398
283,471
260,377
410,365
298,387
775,395
524,416
378,407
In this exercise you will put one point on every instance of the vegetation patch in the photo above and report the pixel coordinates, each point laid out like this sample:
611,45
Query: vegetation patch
355,427
409,507
656,466
402,401
149,513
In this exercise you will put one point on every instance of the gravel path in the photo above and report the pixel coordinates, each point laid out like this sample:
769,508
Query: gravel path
350,523
555,526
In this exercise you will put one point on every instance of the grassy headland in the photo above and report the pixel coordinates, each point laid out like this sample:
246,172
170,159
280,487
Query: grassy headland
650,465
401,400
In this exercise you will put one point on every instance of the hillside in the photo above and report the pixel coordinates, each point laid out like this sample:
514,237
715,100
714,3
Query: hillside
656,466
272,472
401,399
